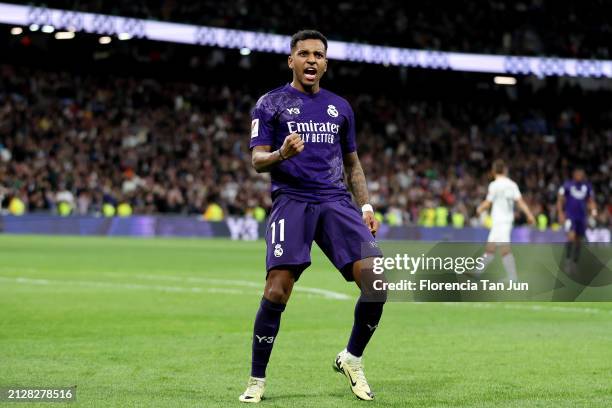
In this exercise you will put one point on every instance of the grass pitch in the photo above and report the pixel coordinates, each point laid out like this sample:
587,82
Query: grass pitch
168,322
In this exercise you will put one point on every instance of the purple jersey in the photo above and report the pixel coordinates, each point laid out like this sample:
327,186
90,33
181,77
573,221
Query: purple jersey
577,195
325,122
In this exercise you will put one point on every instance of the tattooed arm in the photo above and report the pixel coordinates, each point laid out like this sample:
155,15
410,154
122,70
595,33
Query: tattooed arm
357,185
356,178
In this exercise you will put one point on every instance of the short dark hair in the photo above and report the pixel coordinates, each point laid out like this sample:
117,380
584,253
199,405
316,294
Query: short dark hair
307,35
499,166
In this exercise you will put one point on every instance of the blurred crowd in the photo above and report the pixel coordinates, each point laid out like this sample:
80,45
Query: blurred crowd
564,28
82,144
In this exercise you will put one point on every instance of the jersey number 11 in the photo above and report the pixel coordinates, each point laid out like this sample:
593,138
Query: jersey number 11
281,227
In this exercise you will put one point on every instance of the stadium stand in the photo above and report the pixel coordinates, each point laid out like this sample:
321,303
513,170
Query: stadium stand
179,147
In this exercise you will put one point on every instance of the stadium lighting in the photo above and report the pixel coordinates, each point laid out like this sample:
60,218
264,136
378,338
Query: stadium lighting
64,35
48,29
127,28
245,51
105,40
16,30
504,80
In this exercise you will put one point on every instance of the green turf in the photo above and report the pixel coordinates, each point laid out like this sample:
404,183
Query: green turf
156,323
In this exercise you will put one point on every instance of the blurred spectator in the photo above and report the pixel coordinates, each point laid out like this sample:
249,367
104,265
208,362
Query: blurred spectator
95,143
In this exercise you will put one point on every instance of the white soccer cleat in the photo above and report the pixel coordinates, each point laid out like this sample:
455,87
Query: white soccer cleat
255,390
352,368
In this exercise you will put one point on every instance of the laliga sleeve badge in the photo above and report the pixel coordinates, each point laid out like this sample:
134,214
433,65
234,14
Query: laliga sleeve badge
254,128
278,250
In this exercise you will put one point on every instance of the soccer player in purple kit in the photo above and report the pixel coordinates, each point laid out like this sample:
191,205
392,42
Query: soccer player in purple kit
573,199
305,136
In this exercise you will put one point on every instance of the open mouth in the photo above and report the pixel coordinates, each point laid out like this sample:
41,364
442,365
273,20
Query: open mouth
310,74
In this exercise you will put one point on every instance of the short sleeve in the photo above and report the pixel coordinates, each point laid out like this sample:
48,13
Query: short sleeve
262,120
516,192
490,194
347,136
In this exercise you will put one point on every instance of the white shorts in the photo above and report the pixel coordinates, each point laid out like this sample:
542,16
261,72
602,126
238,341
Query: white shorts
500,232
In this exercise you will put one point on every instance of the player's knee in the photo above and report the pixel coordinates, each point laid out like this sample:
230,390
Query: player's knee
277,294
380,296
373,286
278,286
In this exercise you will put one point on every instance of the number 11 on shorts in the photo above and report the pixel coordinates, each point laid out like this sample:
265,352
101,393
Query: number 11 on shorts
281,227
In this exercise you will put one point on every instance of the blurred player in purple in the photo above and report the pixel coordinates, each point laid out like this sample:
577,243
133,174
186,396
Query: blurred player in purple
305,137
574,199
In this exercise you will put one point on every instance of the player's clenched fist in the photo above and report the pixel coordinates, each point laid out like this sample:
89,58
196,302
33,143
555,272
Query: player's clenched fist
292,145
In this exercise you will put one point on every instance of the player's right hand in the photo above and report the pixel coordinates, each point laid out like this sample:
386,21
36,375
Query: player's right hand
561,218
292,145
531,220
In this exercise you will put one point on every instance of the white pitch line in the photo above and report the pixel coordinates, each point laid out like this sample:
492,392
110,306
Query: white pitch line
329,294
165,288
97,284
314,291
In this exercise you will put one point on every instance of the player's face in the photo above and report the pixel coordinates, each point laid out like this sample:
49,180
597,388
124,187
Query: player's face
578,175
308,62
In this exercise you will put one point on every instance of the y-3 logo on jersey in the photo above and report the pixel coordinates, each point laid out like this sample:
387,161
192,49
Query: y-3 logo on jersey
266,339
293,111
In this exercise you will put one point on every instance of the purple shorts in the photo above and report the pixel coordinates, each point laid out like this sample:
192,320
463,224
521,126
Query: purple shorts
336,227
578,225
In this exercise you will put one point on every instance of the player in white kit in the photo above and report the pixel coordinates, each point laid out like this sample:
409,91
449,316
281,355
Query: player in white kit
503,193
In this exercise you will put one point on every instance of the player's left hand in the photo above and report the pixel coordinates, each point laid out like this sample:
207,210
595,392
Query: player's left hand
371,222
480,210
530,219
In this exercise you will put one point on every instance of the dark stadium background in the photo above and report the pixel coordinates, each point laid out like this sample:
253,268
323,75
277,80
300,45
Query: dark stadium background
446,127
